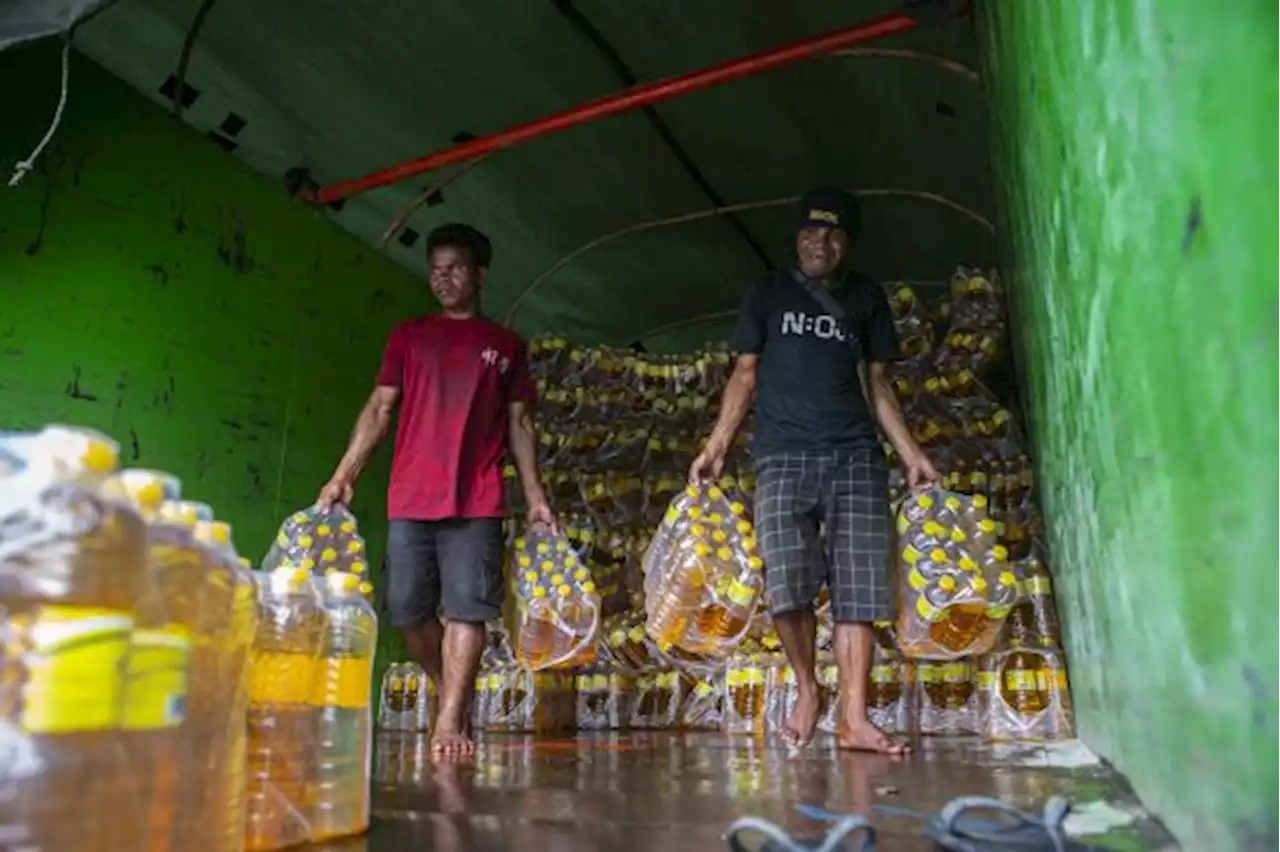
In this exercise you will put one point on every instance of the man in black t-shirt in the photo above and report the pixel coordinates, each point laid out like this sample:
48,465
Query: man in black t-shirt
816,379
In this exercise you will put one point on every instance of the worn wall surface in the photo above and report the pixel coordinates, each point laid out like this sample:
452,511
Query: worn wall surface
1137,159
154,288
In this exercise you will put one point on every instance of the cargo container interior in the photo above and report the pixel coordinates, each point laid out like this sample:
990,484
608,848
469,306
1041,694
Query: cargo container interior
1112,159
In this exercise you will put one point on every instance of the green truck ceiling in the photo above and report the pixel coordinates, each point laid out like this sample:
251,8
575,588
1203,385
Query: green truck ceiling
346,88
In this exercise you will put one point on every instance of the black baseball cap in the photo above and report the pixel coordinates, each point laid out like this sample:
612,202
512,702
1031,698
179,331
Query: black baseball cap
830,208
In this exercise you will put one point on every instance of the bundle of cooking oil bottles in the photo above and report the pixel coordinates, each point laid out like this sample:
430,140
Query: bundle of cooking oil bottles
667,581
309,722
159,694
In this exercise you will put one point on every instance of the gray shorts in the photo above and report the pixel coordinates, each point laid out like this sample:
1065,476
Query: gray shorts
846,492
450,569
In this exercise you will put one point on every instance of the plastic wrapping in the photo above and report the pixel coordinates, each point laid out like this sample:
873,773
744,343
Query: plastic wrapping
703,578
1023,695
891,700
656,699
340,767
319,542
1033,622
745,687
955,585
391,699
557,607
283,717
520,701
945,697
72,570
627,644
703,707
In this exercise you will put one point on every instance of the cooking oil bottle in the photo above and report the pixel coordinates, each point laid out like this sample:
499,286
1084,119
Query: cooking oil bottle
343,692
281,722
391,700
73,565
227,766
160,659
208,691
244,619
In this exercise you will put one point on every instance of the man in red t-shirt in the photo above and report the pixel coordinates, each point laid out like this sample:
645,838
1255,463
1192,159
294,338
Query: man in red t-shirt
465,396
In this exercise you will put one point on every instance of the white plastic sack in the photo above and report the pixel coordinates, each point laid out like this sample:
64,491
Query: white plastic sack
24,20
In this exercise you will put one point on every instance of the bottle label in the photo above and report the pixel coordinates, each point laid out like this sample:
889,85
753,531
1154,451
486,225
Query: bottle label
156,679
74,664
1020,680
740,594
343,682
1037,587
283,678
395,693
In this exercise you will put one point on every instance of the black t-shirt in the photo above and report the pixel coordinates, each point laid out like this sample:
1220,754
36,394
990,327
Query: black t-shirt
808,396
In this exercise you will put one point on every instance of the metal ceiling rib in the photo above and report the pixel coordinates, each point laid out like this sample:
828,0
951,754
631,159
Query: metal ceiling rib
345,88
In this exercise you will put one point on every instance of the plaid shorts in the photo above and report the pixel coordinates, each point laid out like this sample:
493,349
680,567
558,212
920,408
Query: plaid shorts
846,492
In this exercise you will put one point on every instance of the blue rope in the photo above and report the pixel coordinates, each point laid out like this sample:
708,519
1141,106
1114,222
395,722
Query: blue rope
954,828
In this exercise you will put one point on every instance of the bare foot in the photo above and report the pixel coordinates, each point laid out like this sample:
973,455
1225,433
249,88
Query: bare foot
864,736
799,729
449,743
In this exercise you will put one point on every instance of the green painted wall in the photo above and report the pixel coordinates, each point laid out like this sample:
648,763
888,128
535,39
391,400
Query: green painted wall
1136,147
154,288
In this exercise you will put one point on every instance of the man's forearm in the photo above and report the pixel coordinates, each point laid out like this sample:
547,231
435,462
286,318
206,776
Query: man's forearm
371,428
524,450
889,416
739,394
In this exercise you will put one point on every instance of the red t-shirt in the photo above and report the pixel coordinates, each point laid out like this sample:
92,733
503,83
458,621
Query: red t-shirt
456,379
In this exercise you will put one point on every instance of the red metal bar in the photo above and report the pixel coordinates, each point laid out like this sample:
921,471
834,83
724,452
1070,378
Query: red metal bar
628,99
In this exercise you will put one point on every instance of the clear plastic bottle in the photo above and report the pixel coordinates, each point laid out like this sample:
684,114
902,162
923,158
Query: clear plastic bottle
281,722
424,709
73,565
224,809
341,760
392,699
208,692
244,618
158,673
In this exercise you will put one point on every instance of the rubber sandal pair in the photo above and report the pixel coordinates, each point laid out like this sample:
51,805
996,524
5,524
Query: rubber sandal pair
958,827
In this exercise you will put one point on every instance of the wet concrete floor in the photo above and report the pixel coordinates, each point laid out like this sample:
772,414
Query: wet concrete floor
668,791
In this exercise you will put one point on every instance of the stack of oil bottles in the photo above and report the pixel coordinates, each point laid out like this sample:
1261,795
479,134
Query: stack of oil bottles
668,578
158,694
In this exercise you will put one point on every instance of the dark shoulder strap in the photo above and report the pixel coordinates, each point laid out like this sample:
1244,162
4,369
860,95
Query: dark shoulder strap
823,297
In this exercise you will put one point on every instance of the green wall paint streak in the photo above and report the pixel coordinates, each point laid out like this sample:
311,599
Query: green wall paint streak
156,289
1136,146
